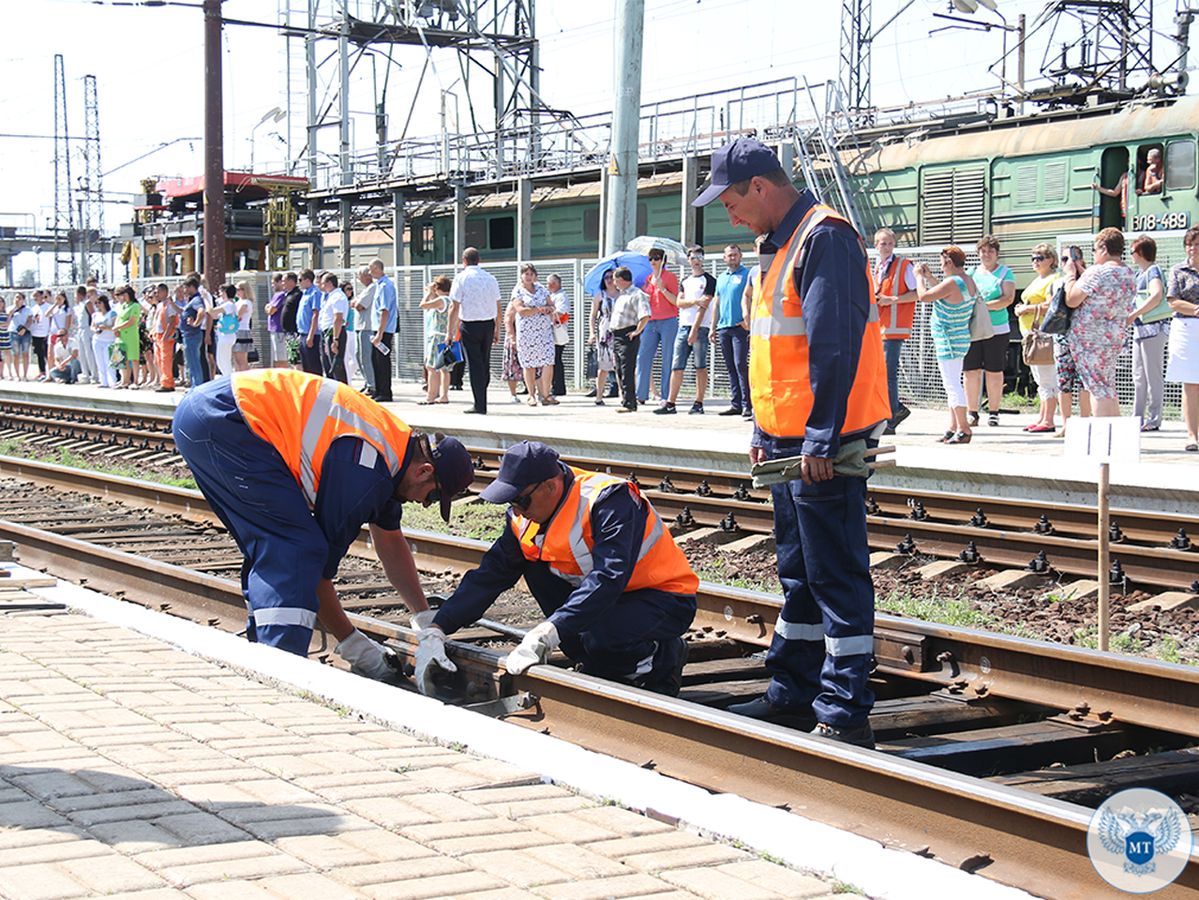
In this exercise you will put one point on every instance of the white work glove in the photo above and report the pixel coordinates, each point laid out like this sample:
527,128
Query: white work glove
423,619
536,648
366,657
430,657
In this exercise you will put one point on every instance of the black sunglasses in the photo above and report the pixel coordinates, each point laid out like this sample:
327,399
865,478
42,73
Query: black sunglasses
525,500
1039,258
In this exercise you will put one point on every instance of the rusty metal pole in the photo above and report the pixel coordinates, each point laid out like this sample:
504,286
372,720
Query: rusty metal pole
1105,615
214,151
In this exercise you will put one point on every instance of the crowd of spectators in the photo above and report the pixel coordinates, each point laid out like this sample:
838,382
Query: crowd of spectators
1085,313
345,329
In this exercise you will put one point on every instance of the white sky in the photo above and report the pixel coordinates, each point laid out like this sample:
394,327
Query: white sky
149,66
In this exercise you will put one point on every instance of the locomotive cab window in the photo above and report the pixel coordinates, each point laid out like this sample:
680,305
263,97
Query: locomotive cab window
1149,169
1180,165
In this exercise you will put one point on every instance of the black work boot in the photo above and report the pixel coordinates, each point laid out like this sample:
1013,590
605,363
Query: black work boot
858,735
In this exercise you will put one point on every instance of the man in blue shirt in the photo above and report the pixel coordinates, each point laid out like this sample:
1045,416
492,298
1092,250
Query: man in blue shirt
631,635
385,322
732,331
294,542
306,319
820,656
192,324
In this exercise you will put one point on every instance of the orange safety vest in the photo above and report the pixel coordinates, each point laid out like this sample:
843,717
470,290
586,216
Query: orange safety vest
566,544
300,415
778,348
896,319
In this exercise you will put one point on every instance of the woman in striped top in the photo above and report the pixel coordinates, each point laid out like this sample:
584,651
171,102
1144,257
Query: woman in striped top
953,304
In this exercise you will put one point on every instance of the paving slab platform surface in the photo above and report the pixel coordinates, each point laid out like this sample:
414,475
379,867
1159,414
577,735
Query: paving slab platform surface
1003,461
145,756
129,767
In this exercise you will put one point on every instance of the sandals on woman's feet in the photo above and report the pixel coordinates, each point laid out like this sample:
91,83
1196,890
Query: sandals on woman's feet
959,438
944,439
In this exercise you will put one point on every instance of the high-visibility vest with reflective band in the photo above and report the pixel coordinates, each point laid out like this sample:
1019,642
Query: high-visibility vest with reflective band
566,545
300,415
896,319
778,348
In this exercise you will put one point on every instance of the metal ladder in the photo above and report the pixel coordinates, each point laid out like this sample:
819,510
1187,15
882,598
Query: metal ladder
817,149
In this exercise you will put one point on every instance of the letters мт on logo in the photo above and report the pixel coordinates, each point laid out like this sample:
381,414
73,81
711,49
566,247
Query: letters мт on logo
1139,840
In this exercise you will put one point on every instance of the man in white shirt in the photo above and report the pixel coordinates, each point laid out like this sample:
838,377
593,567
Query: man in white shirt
66,361
475,309
553,284
364,300
335,307
696,312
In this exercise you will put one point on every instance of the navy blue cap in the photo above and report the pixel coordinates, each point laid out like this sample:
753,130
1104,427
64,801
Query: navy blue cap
455,471
739,161
525,464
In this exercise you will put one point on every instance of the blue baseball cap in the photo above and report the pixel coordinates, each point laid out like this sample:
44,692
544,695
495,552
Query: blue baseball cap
454,469
525,464
739,161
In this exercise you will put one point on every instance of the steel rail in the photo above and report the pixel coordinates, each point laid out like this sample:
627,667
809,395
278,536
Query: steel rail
1152,551
1011,836
1100,688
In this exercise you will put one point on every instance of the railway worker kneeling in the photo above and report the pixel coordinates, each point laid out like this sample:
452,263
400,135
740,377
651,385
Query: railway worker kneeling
819,386
294,464
616,590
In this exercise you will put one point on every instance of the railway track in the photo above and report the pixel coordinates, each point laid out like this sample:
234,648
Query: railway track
993,751
1148,550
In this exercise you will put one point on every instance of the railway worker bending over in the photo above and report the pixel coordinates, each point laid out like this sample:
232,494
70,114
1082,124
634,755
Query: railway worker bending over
617,591
294,464
818,381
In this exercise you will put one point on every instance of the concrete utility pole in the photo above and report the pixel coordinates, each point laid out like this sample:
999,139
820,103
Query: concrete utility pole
626,123
214,150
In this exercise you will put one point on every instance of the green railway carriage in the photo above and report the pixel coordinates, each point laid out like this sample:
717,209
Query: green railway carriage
1025,179
1030,180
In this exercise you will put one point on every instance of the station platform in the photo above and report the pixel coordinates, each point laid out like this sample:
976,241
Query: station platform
1003,461
146,756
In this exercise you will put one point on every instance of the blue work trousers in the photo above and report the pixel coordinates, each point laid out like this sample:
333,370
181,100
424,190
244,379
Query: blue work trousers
658,332
247,484
823,642
734,347
193,353
892,350
638,641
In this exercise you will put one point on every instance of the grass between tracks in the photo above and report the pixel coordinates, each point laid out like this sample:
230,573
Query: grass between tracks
13,447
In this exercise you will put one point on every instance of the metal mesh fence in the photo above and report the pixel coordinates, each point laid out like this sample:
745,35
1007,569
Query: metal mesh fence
919,377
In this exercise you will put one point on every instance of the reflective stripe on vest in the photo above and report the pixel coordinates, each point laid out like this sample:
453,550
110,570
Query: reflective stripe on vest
660,563
300,415
779,380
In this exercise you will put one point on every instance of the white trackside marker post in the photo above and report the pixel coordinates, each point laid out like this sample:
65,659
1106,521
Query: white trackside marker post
1103,440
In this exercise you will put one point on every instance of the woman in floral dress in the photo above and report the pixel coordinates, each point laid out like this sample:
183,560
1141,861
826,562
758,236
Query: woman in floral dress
1102,297
535,335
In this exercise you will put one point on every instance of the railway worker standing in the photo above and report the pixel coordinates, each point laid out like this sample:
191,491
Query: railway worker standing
616,590
895,291
818,381
294,464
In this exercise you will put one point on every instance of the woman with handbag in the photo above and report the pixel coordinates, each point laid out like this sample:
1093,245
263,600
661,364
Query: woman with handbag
1150,323
1037,347
601,336
436,305
535,335
1101,297
1183,365
953,305
997,287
